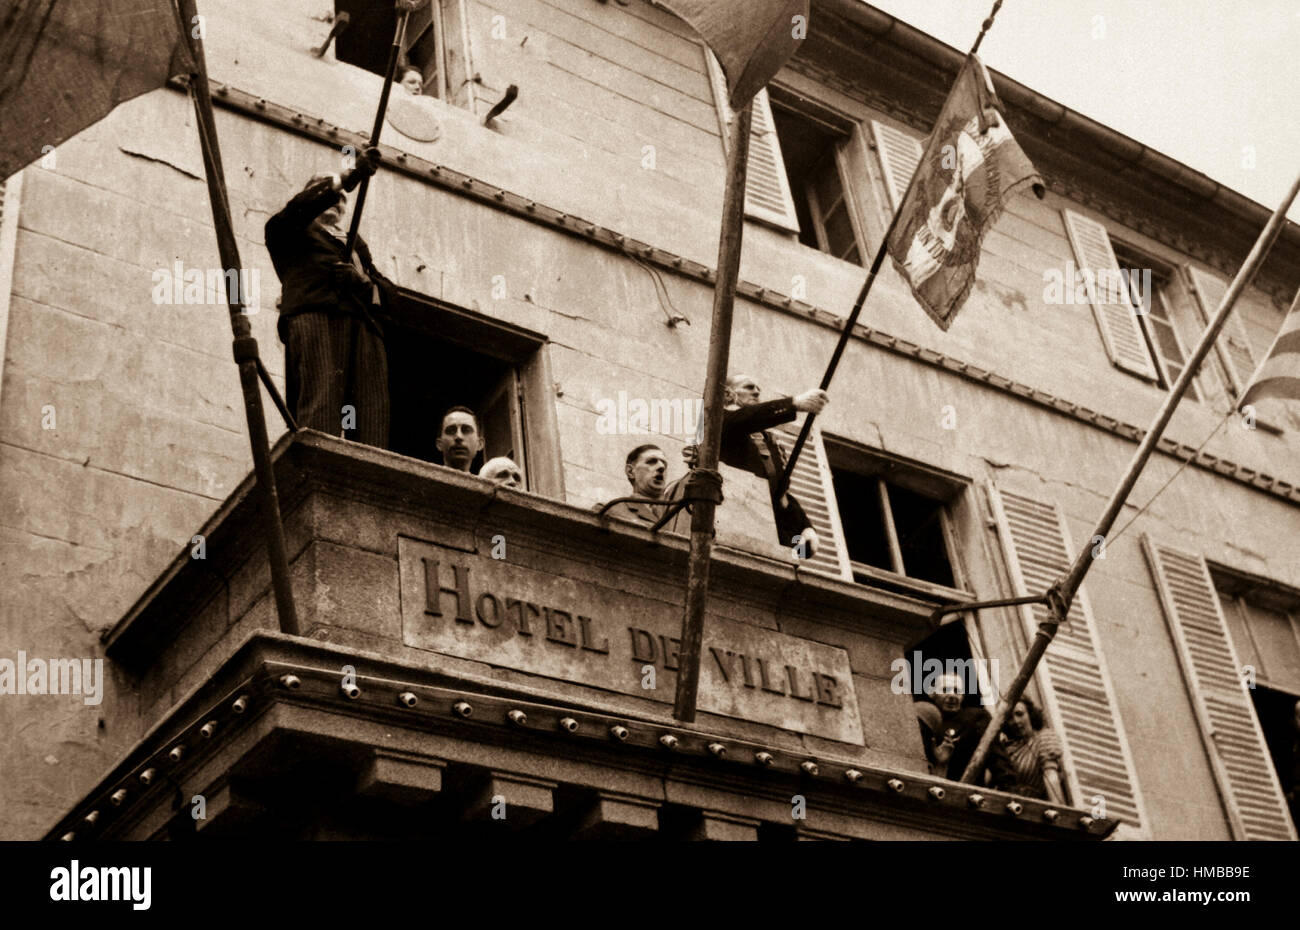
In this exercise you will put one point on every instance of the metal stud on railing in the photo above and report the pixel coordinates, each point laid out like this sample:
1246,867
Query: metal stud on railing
1051,815
350,690
975,800
92,818
1015,808
240,705
176,753
764,759
407,699
718,749
1085,822
292,682
936,792
68,837
117,797
208,729
853,776
517,717
809,767
619,733
896,784
668,741
462,709
147,776
568,724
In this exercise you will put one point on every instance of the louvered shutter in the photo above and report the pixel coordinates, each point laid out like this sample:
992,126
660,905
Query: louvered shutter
899,154
810,484
1075,684
1121,332
1232,345
1236,745
767,189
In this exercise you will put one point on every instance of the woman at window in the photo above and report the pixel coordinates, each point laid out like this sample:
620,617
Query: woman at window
1028,760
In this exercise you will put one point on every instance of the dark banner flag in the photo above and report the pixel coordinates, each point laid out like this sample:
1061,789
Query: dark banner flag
750,38
65,64
971,167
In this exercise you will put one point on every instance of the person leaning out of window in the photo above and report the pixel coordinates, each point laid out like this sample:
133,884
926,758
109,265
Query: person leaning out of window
1027,755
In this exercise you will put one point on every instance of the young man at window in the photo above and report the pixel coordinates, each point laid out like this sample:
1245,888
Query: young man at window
460,438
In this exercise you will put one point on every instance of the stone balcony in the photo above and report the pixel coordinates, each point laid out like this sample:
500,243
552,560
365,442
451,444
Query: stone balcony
472,654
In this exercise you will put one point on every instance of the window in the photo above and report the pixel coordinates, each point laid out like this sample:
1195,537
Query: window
432,43
1221,623
440,356
1150,290
1078,696
894,519
810,152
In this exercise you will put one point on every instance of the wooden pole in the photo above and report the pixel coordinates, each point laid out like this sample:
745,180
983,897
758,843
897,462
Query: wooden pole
244,345
724,299
404,8
1061,594
845,333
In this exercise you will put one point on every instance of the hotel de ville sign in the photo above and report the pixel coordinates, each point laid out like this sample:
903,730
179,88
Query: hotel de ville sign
492,611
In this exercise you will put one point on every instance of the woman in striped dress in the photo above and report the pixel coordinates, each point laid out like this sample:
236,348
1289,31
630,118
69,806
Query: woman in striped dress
1030,755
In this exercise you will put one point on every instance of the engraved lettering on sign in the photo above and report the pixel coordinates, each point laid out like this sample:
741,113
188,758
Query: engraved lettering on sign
551,624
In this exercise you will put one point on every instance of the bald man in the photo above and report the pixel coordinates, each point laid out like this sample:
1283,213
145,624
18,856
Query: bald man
747,444
503,471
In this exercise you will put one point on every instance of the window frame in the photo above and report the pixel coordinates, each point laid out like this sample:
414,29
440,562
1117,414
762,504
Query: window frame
943,488
846,129
529,354
1130,257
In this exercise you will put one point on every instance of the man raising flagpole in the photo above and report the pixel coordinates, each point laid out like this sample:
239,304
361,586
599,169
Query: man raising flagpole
751,39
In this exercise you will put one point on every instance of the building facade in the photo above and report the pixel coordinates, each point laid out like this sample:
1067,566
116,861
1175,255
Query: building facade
476,658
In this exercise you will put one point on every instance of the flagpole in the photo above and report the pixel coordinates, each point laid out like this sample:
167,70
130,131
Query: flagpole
724,299
406,7
1061,594
845,333
784,483
244,345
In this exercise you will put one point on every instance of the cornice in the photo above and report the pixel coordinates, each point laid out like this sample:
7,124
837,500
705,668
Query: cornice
301,672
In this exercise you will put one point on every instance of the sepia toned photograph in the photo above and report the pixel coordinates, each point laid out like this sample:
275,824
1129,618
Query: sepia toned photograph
651,420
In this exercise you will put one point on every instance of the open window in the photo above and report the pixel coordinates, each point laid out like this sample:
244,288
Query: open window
1163,310
440,356
1227,630
1264,625
895,521
434,43
811,148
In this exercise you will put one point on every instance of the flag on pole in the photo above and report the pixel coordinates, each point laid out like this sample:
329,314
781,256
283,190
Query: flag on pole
65,65
1279,374
751,39
970,168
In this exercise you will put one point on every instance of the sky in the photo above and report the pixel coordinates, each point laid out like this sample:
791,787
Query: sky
1214,84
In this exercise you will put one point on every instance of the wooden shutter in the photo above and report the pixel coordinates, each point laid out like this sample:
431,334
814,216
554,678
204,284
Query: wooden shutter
899,154
1232,345
810,483
767,188
1073,678
1120,330
1233,739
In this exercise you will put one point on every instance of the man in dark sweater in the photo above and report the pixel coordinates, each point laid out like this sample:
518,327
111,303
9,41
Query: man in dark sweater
747,444
336,368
